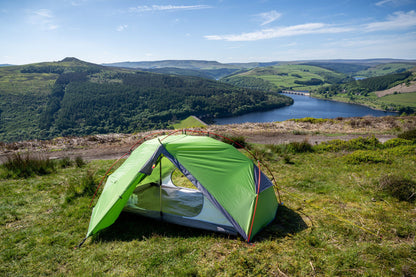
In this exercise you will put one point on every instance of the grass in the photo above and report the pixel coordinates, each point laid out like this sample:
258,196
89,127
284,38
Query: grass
403,99
392,102
189,122
383,69
284,76
331,224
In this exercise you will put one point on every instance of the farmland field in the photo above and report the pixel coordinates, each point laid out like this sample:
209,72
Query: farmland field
405,99
286,76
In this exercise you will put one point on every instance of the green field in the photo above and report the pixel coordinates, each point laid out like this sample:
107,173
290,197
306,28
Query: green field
404,99
284,76
189,122
336,220
393,102
384,69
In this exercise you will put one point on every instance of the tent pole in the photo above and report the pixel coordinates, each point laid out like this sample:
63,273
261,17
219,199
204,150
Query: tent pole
160,189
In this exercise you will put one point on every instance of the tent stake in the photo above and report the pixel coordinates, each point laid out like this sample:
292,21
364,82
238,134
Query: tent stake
80,244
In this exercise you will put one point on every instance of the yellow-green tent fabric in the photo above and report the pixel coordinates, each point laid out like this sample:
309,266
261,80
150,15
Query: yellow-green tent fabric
226,179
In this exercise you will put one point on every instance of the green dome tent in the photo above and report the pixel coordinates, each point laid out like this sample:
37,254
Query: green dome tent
232,195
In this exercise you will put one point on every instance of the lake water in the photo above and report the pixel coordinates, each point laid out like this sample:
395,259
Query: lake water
305,106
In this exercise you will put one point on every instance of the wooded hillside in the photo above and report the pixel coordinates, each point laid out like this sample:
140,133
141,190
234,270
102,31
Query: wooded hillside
72,97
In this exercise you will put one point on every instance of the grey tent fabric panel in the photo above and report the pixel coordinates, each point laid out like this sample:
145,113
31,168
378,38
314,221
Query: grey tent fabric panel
265,182
147,168
204,192
174,200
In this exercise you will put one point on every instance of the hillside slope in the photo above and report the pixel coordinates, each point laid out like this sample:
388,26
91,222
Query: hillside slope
288,77
369,91
72,97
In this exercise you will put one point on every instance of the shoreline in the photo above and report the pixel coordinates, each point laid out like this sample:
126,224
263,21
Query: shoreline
354,103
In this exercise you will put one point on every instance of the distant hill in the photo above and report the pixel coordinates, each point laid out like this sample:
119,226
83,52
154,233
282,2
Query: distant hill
384,69
73,97
203,73
217,70
341,67
367,62
384,92
186,64
200,68
202,64
286,77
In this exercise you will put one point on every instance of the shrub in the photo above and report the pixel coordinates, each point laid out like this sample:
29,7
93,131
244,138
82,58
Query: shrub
399,187
65,162
25,166
402,150
409,135
237,142
79,161
299,132
311,120
362,156
364,143
397,142
300,147
368,143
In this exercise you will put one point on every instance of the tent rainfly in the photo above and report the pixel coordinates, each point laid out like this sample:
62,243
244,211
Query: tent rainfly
232,195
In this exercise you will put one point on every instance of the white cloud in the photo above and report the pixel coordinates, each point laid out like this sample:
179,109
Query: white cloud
399,20
122,28
393,2
167,8
77,3
43,13
268,17
381,3
302,29
43,18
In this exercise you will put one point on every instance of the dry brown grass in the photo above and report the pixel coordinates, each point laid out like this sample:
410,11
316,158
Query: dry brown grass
402,88
112,146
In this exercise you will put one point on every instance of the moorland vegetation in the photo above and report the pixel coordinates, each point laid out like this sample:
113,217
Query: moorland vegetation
347,209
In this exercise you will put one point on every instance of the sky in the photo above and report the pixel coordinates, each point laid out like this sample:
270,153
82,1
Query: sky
105,31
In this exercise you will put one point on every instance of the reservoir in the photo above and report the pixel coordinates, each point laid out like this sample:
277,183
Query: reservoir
305,106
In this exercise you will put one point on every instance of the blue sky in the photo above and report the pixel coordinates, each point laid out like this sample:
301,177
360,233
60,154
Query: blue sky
103,31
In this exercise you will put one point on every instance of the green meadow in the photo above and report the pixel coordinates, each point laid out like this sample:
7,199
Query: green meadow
293,77
403,99
189,122
348,209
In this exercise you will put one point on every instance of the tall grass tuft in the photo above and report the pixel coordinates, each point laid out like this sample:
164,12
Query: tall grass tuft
25,166
79,162
65,162
237,141
399,187
300,147
86,186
